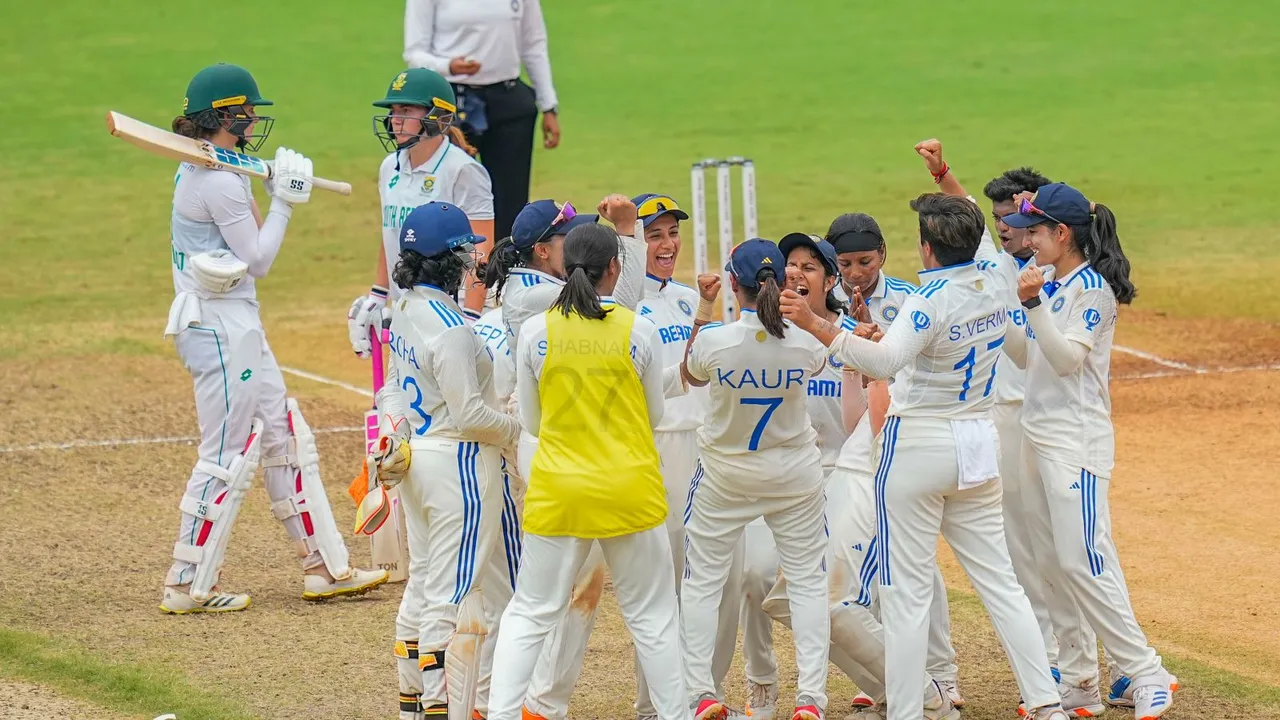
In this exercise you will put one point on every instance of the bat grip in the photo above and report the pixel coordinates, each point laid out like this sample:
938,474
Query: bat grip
379,372
333,186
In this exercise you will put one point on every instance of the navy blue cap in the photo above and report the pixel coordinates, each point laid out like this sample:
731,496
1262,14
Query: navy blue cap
749,258
436,228
652,206
1055,202
535,223
826,251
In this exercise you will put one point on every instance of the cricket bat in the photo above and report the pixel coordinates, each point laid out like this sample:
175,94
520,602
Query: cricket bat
199,152
388,547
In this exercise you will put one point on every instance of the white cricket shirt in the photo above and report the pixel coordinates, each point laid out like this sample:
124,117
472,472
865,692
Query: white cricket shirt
1068,419
492,329
670,306
499,34
824,393
449,175
446,372
758,439
943,348
885,301
204,203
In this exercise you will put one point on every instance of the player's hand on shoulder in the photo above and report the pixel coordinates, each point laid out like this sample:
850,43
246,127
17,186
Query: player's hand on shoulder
291,174
619,210
709,286
1030,280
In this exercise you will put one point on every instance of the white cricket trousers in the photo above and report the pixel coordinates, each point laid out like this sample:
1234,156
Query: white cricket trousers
917,496
715,524
1079,534
644,583
565,650
236,379
1069,640
453,500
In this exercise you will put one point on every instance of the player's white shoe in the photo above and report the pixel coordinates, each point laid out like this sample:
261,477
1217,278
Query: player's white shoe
762,700
952,691
1082,701
867,712
862,700
937,706
806,709
321,587
178,602
1050,712
1152,697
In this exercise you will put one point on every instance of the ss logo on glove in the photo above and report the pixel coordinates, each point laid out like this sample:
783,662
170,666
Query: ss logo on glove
296,185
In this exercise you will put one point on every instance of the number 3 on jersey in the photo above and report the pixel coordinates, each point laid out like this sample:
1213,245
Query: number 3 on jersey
770,404
970,360
416,405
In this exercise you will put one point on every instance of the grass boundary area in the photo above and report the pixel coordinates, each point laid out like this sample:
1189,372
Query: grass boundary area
126,687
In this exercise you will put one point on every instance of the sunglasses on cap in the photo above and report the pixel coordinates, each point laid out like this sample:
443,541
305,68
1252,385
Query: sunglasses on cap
1027,208
567,213
656,204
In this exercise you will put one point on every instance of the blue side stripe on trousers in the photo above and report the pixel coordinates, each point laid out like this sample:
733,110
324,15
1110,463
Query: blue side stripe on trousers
688,511
470,492
1089,508
867,573
890,440
510,528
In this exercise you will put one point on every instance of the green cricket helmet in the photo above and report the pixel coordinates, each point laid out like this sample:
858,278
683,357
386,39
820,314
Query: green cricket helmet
219,97
417,87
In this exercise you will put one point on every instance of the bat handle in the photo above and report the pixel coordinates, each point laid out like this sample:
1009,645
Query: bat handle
333,186
379,372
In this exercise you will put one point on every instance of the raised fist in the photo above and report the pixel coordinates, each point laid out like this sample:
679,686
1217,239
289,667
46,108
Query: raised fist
709,286
931,151
1030,280
619,210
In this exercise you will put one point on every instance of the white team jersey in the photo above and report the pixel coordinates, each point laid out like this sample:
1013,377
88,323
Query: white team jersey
492,329
963,326
1069,418
430,344
203,199
670,306
758,437
885,301
856,452
1003,269
824,404
449,175
526,293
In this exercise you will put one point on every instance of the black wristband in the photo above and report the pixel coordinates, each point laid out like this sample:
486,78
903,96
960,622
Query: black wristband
1032,303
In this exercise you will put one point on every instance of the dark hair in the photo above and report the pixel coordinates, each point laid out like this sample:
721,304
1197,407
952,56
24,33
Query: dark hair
952,226
834,304
851,223
1012,182
588,250
445,271
766,297
201,126
1100,244
502,258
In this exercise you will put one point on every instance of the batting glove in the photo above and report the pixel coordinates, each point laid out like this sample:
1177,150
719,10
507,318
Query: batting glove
365,314
291,174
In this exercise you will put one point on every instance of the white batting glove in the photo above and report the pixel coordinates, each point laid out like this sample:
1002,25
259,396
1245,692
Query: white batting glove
365,314
291,174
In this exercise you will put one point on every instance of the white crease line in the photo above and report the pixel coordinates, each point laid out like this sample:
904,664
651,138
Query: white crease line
1198,371
138,441
1159,360
327,381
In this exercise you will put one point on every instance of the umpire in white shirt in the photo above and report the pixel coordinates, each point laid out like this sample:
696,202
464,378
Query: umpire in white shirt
479,46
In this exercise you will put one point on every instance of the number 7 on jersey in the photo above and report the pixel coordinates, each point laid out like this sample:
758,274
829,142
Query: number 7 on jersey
770,404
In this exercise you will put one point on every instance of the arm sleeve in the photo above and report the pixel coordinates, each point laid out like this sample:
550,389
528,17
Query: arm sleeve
630,288
693,363
419,29
1064,354
454,364
1015,338
652,378
672,384
527,389
534,55
898,347
227,201
473,192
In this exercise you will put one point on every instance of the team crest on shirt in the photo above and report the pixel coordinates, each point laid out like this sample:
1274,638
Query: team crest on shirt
978,284
685,308
428,183
1057,304
889,312
761,335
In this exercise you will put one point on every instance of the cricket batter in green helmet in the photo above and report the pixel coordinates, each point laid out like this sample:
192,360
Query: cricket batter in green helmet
429,161
221,245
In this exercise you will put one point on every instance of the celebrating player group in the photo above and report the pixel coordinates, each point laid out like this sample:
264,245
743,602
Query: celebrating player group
558,406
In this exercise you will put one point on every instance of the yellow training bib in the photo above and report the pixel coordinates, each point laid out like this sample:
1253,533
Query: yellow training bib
596,471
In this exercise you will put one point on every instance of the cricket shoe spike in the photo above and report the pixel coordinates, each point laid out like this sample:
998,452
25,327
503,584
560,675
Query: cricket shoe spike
320,587
762,700
709,708
952,691
863,700
177,602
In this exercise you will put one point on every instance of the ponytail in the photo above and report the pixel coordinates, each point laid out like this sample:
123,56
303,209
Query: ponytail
588,251
493,272
457,137
767,301
1101,247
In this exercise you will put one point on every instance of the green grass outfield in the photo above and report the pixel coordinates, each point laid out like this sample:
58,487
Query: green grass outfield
1165,111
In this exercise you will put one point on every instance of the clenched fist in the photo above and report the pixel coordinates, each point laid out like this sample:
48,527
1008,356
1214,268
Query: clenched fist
709,286
795,307
619,210
1030,280
931,151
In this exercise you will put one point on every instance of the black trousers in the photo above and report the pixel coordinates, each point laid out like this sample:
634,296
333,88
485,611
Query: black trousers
506,147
